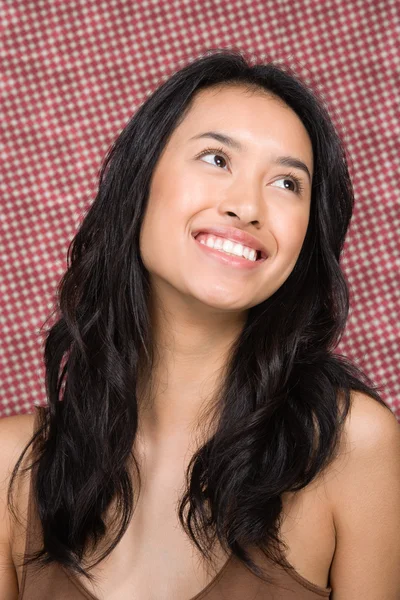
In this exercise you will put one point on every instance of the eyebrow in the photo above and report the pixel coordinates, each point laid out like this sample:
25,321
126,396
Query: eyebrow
286,161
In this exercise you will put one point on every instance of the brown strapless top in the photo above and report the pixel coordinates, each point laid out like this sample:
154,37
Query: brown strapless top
234,581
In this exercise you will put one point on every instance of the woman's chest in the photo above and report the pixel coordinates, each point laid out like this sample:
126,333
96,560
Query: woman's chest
156,560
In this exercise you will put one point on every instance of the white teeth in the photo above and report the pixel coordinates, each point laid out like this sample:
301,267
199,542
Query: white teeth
227,246
238,249
253,255
230,247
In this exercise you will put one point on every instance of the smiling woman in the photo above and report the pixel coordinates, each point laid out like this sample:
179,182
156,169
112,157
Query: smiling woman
241,188
202,439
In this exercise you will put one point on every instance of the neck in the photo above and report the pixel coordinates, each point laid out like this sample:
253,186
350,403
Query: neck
191,351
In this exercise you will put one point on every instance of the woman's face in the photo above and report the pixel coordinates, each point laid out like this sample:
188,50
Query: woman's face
237,185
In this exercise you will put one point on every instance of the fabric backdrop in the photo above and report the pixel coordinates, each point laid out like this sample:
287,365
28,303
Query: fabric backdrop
72,74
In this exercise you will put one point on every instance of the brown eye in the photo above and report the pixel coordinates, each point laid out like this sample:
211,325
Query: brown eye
217,157
220,161
290,183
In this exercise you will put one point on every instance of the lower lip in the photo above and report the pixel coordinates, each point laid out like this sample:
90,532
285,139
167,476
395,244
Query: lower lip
229,259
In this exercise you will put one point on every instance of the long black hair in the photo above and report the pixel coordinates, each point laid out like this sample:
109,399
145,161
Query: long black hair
284,396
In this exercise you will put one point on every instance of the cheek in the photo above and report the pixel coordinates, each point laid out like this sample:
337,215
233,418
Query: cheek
168,211
154,231
174,199
290,231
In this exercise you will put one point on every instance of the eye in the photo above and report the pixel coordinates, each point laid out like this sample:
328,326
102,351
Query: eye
290,182
217,157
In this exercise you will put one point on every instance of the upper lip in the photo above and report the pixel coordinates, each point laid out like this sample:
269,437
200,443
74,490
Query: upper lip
235,235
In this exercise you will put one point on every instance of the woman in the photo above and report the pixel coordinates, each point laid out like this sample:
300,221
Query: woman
198,421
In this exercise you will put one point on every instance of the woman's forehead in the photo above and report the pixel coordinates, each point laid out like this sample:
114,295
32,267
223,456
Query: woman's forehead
255,118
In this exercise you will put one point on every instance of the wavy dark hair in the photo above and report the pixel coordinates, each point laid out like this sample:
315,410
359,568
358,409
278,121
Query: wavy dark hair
285,394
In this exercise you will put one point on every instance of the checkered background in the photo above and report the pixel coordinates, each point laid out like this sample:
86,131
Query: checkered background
72,74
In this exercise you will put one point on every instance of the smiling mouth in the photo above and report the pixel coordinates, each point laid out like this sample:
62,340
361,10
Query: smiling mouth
260,255
229,258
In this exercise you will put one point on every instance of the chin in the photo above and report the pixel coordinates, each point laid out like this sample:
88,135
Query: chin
223,301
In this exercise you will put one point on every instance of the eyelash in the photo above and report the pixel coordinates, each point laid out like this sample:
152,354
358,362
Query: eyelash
298,183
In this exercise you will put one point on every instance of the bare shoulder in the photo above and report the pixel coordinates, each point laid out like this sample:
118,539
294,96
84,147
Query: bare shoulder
364,491
16,429
369,427
15,434
369,420
371,432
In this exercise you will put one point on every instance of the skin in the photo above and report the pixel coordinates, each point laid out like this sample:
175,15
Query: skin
199,306
347,528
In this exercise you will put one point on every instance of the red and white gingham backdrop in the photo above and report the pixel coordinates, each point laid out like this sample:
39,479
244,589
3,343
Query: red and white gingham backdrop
73,72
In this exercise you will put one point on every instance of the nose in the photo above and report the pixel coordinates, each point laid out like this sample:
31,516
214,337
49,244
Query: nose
244,202
245,220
